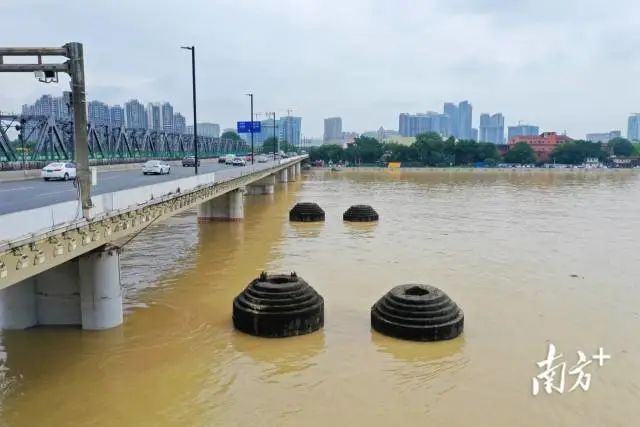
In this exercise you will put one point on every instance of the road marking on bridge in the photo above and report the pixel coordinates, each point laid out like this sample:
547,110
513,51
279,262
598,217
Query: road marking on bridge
57,192
107,178
16,189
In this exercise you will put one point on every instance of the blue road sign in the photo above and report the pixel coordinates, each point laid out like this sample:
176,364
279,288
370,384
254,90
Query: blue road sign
249,127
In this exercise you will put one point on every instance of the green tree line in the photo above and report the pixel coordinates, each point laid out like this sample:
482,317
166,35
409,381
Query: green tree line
430,149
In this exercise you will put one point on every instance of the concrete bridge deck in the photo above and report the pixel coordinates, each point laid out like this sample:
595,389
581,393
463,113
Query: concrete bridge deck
57,267
18,196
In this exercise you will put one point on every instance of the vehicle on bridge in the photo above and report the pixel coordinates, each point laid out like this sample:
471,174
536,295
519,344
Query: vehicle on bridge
262,159
190,161
60,170
156,167
239,161
228,159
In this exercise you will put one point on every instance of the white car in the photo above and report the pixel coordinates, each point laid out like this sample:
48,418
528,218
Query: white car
60,170
157,167
262,159
239,161
229,158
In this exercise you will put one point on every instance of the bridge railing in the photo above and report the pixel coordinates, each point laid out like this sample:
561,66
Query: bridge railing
28,223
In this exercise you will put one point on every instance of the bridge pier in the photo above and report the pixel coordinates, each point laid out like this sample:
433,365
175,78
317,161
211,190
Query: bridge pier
283,175
291,171
263,186
18,305
100,292
58,295
228,207
83,291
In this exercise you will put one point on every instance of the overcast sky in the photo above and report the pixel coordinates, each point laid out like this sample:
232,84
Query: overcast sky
563,65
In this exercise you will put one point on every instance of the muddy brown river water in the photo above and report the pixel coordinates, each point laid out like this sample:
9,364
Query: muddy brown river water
532,257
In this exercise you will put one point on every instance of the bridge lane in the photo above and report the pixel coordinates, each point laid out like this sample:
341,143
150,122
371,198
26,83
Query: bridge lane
22,195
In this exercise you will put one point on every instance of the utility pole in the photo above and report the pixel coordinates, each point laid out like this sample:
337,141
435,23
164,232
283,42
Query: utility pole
289,128
253,154
48,73
276,143
21,137
195,120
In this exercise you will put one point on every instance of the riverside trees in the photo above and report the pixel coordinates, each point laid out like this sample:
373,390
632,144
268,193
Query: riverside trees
428,149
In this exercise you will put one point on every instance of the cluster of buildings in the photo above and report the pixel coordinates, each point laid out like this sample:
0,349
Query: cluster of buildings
134,115
333,133
286,128
633,127
542,144
455,120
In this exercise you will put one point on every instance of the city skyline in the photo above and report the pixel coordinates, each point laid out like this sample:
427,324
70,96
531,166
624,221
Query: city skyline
161,116
339,62
134,115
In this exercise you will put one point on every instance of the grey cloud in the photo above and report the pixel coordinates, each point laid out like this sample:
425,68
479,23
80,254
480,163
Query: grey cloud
366,60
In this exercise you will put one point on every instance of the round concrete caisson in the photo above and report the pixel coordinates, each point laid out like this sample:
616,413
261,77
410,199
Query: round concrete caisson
306,212
360,213
278,305
417,312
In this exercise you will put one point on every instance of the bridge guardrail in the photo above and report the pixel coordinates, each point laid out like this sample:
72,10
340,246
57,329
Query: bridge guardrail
29,223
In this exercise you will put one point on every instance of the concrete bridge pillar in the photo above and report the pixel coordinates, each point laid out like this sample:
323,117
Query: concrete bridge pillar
298,167
263,186
228,207
283,175
58,295
18,305
100,291
292,173
83,291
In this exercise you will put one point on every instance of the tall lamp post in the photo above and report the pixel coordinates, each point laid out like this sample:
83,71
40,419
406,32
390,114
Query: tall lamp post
253,155
195,120
276,145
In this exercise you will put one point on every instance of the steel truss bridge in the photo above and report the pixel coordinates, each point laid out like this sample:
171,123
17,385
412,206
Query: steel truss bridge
52,139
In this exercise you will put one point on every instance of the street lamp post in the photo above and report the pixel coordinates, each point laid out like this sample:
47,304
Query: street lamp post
251,128
24,163
276,145
195,120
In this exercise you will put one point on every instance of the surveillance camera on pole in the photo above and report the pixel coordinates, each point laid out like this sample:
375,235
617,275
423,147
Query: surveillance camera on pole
48,73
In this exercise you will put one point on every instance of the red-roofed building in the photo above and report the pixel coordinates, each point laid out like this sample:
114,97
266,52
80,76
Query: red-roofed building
542,144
